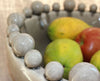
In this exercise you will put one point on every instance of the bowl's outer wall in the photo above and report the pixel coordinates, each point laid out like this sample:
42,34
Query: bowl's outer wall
19,71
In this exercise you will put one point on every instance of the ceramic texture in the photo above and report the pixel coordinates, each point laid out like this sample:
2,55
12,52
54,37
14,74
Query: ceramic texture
37,26
20,72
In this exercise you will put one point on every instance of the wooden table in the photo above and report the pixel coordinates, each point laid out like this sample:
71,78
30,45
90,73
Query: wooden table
10,6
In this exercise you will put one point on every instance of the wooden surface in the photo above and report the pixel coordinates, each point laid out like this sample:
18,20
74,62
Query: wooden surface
10,6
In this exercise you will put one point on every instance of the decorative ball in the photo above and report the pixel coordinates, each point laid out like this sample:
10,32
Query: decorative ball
84,72
46,8
56,6
33,58
16,18
64,80
37,7
11,37
28,12
12,28
81,7
93,8
22,44
54,71
69,5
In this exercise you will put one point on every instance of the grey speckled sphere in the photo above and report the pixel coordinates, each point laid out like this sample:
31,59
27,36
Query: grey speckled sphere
11,37
46,8
84,72
64,80
54,71
28,12
56,6
22,44
93,8
37,7
69,5
16,18
33,58
81,7
12,28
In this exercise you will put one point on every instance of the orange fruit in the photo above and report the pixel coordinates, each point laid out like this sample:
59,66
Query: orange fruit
66,27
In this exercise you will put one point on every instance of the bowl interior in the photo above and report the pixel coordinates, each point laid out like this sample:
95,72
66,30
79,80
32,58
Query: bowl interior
37,26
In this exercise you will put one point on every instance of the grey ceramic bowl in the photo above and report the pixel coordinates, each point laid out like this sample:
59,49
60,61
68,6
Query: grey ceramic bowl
37,26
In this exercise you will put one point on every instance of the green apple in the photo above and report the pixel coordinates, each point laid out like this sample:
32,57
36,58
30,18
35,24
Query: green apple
65,51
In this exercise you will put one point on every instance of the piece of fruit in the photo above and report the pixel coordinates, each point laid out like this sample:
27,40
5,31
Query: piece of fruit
95,60
89,40
66,27
84,72
65,51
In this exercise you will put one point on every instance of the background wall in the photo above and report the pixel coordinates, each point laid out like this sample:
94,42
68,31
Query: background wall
10,6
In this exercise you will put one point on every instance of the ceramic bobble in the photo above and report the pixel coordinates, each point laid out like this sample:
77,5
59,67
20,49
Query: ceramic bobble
28,12
69,5
22,44
33,58
12,28
16,18
81,7
54,71
93,8
64,80
84,72
12,35
46,8
37,7
56,6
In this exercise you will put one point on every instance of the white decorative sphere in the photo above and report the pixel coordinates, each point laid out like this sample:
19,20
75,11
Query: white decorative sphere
12,35
22,44
54,71
37,7
12,28
16,18
46,8
84,72
33,58
28,12
64,79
